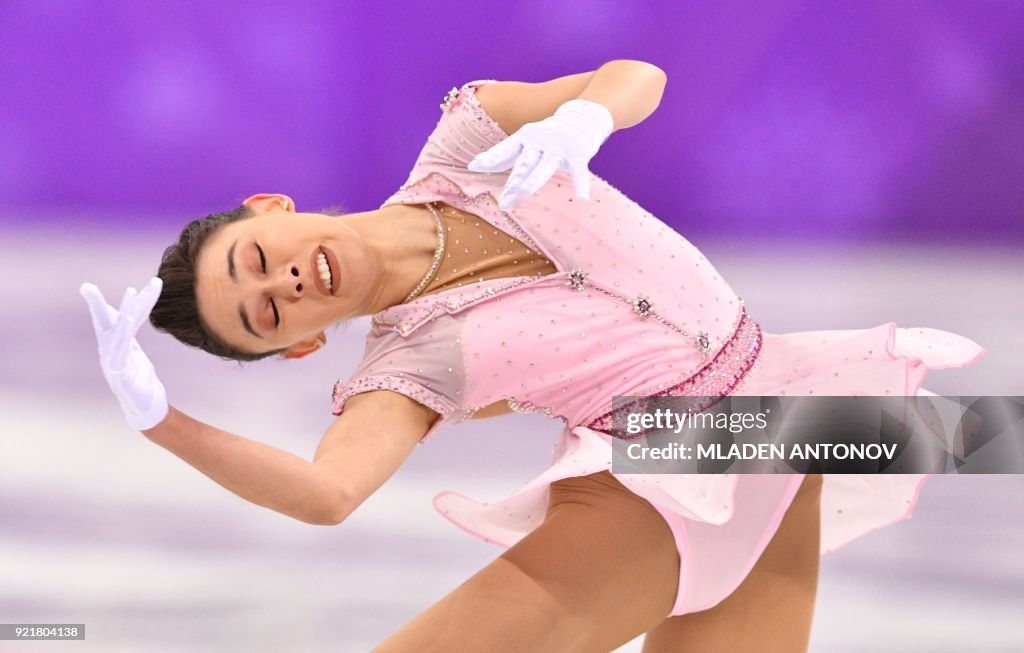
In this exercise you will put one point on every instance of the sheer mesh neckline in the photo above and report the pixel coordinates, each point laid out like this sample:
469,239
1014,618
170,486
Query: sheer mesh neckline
475,251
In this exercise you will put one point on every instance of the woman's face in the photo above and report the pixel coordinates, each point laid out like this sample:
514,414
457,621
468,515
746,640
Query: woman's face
258,281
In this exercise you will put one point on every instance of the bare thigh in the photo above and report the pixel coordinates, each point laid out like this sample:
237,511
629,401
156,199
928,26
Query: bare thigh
773,607
599,571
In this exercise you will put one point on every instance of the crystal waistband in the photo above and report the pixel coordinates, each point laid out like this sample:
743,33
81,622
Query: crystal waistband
710,384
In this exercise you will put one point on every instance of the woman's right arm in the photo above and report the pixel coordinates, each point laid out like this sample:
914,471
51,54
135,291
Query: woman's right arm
359,452
369,441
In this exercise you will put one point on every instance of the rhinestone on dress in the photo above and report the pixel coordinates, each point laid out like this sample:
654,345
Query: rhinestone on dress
448,100
703,343
642,305
438,253
576,279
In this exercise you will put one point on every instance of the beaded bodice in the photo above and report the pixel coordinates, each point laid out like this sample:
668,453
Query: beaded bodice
475,251
598,297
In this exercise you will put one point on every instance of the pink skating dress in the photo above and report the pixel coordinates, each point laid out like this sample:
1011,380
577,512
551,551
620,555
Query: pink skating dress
625,306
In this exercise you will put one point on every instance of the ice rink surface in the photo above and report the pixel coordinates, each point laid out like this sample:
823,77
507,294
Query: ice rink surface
100,526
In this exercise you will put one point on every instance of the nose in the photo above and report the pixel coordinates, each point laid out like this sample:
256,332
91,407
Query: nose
290,283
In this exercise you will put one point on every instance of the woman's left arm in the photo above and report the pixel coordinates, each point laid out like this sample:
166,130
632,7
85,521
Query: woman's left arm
565,125
630,90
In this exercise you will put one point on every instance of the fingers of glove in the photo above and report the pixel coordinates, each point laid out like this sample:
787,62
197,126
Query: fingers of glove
525,164
115,355
147,299
118,342
507,199
498,158
103,314
580,179
127,301
541,173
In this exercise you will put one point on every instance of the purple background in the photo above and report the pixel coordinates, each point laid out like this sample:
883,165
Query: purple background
852,121
783,124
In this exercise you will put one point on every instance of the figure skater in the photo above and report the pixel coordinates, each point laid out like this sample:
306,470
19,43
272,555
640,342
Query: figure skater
505,276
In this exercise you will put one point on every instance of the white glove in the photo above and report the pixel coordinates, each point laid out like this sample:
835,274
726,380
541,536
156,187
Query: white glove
569,139
127,369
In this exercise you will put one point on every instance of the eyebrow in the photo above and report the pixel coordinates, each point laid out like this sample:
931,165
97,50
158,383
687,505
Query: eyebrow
245,321
234,277
231,262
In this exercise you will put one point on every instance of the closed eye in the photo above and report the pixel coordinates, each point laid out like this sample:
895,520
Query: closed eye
263,266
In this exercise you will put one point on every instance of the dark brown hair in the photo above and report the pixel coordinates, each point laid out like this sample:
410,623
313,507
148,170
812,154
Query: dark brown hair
176,312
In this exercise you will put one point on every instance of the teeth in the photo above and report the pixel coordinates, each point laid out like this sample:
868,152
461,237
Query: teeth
325,270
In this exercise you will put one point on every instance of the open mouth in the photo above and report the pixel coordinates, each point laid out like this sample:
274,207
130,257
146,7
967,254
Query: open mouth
324,269
326,274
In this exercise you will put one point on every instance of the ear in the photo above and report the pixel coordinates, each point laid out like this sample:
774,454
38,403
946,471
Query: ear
305,347
267,202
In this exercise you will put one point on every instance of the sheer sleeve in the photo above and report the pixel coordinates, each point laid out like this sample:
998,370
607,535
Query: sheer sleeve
464,129
428,369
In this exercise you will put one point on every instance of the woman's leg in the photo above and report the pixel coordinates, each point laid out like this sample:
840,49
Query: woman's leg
602,569
772,608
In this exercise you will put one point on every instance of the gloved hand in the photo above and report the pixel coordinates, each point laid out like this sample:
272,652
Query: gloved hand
568,139
127,369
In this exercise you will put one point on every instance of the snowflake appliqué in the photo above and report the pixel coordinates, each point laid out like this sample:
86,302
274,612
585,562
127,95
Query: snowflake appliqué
703,342
642,305
576,279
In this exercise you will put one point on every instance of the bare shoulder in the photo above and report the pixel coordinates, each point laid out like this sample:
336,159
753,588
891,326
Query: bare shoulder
513,104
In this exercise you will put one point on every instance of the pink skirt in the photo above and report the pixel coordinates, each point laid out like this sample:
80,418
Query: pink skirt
722,523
